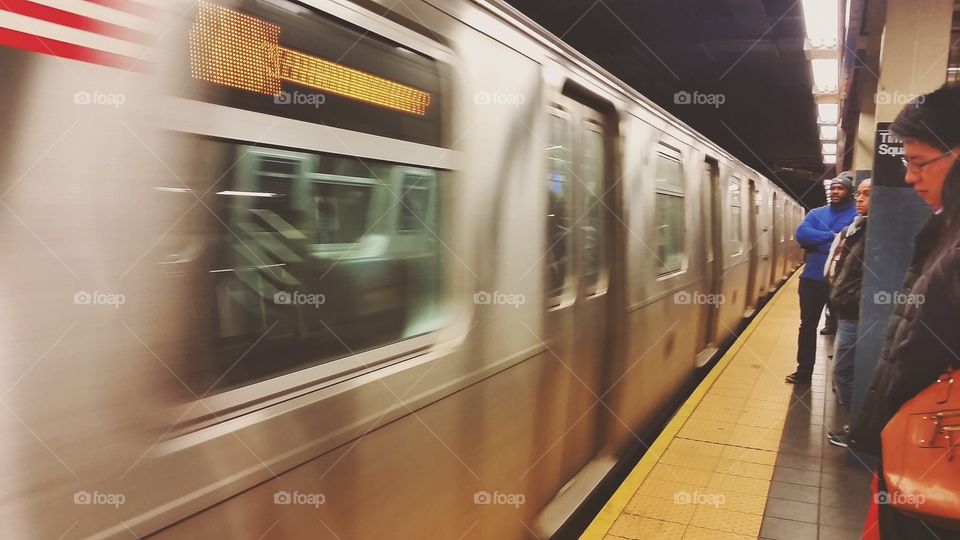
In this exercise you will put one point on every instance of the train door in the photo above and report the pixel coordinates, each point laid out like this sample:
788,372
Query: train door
713,242
577,311
774,238
753,208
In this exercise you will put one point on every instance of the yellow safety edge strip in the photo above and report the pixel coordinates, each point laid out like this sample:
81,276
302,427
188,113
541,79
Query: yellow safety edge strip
614,507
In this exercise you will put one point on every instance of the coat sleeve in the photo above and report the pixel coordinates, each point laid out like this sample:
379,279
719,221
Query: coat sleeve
811,235
932,342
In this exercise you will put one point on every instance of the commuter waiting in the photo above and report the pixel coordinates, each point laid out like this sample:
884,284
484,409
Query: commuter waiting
922,340
844,274
815,235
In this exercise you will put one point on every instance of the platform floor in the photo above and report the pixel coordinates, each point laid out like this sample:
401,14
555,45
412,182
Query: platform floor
746,456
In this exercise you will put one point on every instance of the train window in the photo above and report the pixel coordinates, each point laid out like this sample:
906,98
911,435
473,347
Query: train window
559,239
287,60
316,257
736,222
415,203
592,221
342,211
670,211
781,211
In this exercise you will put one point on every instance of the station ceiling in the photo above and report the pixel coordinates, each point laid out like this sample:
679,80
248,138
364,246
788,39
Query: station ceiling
750,52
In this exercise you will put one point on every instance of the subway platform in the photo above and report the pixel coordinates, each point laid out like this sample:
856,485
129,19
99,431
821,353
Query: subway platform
746,456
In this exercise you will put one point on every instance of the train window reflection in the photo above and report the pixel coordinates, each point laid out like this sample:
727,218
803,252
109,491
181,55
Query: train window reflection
342,212
736,222
316,257
559,239
415,203
670,211
592,221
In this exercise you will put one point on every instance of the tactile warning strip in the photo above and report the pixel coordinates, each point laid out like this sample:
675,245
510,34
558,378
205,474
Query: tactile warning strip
708,474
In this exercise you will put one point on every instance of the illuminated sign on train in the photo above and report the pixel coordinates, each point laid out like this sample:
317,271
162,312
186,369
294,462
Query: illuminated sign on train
236,50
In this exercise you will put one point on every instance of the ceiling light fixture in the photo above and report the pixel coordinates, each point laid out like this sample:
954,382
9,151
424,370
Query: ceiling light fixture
822,18
826,75
828,113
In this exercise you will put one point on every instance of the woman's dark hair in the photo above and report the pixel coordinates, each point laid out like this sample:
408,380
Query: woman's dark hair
933,118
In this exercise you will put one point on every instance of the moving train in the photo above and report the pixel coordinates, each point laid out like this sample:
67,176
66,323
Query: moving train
345,269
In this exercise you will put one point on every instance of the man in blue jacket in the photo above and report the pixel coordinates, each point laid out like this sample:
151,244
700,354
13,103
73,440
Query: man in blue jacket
815,235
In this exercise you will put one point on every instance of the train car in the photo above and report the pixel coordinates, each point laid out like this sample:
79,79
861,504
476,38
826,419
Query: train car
340,269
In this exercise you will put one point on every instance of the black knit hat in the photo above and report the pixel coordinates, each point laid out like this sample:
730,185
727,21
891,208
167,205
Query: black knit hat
845,179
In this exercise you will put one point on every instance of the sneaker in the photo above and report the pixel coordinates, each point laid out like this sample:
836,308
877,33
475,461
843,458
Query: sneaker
798,378
838,438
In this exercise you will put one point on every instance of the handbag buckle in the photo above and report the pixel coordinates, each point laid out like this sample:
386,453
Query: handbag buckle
939,429
944,395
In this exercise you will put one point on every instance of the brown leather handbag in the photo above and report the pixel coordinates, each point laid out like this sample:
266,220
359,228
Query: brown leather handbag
921,455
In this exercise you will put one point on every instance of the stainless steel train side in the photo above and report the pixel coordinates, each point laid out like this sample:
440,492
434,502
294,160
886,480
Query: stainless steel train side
577,251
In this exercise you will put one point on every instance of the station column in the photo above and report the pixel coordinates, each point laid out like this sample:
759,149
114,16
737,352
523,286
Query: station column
913,61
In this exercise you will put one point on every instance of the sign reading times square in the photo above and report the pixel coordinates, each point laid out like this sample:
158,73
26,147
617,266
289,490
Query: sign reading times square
887,167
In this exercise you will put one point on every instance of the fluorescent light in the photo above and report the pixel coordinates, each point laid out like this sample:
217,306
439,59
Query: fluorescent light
247,194
826,74
830,158
830,148
172,189
829,133
822,22
828,113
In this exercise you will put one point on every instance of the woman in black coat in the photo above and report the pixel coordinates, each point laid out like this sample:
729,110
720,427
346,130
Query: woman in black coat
922,341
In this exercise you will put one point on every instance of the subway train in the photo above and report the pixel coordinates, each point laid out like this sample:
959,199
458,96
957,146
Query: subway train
532,262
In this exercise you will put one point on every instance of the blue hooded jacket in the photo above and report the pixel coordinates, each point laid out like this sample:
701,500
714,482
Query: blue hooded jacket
816,233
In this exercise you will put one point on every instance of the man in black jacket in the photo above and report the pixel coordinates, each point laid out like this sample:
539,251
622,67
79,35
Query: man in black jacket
844,273
922,338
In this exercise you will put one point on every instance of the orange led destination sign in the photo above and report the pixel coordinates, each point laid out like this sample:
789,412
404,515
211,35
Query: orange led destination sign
236,50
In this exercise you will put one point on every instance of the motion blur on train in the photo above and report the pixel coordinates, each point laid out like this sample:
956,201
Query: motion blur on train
334,269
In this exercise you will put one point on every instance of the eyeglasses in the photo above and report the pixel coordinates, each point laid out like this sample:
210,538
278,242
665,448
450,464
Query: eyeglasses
918,167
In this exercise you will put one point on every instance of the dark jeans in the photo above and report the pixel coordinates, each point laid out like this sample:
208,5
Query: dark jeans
813,296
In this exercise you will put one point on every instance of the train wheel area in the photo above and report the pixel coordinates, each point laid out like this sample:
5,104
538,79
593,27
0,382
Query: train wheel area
747,456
